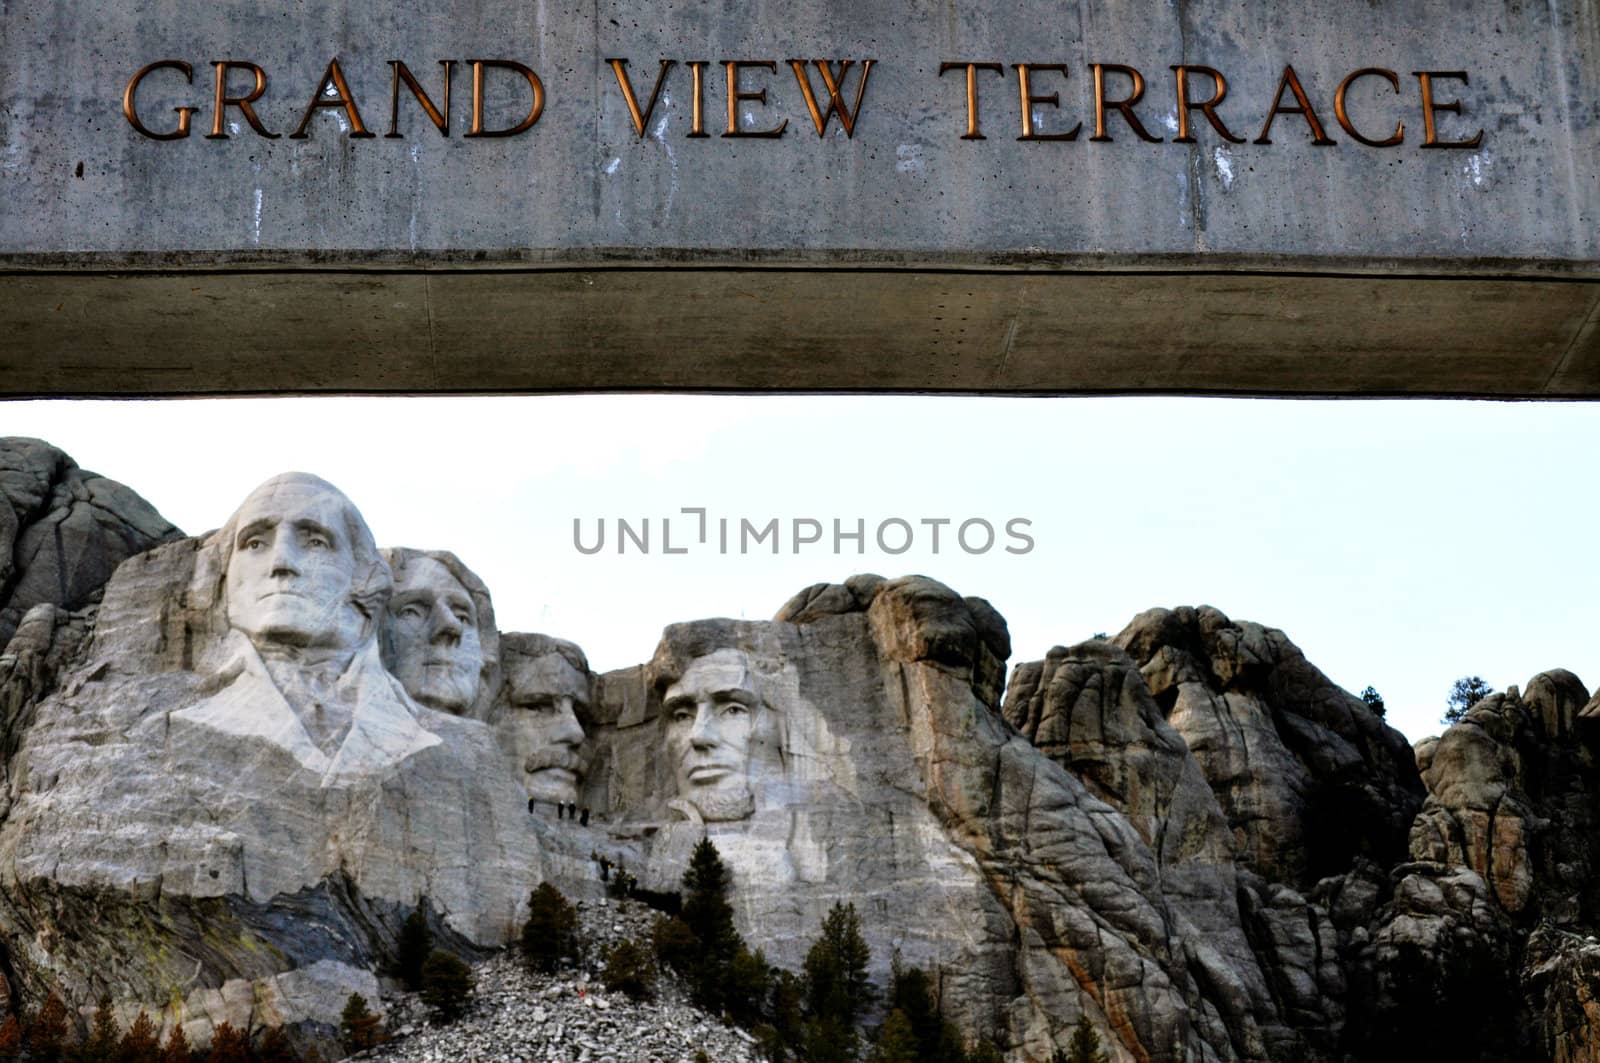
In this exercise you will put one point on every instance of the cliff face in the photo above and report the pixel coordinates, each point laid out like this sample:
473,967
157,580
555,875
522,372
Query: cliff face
1185,832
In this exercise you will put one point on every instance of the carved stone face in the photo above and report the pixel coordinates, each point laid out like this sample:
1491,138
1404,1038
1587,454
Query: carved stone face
433,631
711,716
289,576
548,699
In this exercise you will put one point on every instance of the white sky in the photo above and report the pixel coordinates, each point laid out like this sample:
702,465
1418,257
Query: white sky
1401,544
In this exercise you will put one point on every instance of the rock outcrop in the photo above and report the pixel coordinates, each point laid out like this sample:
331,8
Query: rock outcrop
63,530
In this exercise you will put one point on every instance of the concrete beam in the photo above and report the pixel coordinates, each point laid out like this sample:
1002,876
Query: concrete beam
1008,332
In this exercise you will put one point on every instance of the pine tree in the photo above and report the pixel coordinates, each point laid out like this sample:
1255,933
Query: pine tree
1085,1044
674,943
836,967
447,985
551,933
985,1052
229,1044
896,1042
48,1030
628,970
275,1048
709,916
415,945
911,991
749,979
358,1027
142,1042
177,1046
101,1045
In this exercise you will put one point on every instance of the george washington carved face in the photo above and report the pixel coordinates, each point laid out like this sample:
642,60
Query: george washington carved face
295,551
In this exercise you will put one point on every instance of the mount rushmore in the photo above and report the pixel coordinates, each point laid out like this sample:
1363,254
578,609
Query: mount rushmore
235,763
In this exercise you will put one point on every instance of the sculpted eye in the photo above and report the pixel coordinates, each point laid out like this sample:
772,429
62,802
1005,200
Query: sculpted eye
464,616
735,708
255,542
319,542
682,715
410,611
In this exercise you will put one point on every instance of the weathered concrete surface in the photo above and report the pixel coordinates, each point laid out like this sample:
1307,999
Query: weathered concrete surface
796,330
996,220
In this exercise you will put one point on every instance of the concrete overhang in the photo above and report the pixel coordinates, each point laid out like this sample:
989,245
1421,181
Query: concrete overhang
600,250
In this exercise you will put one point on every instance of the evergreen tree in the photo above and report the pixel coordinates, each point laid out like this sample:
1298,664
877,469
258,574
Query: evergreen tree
142,1042
101,1045
415,945
709,916
447,985
911,991
628,970
359,1029
749,980
551,933
48,1031
788,998
1085,1044
985,1052
836,968
675,944
826,1039
229,1044
176,1049
10,1038
275,1048
896,1042
1465,693
177,1046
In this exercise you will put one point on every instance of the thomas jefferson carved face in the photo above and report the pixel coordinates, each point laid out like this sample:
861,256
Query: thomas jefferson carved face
711,714
433,634
290,574
549,699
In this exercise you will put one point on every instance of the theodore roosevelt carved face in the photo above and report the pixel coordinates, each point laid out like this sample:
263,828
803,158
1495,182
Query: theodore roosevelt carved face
548,691
712,719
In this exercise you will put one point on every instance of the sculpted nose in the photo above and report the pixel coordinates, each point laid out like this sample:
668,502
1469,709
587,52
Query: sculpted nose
567,731
285,559
703,735
446,626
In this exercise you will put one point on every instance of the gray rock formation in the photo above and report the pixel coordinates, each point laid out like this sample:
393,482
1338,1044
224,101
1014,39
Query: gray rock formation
63,530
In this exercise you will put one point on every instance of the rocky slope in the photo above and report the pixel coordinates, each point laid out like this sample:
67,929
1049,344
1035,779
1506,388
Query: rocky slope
519,1015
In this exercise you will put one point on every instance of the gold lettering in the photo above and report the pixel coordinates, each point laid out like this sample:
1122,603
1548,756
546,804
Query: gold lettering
333,78
973,132
1207,108
1430,138
1292,82
1025,90
224,101
697,127
847,116
131,113
735,97
1343,115
619,67
478,67
439,117
1123,105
